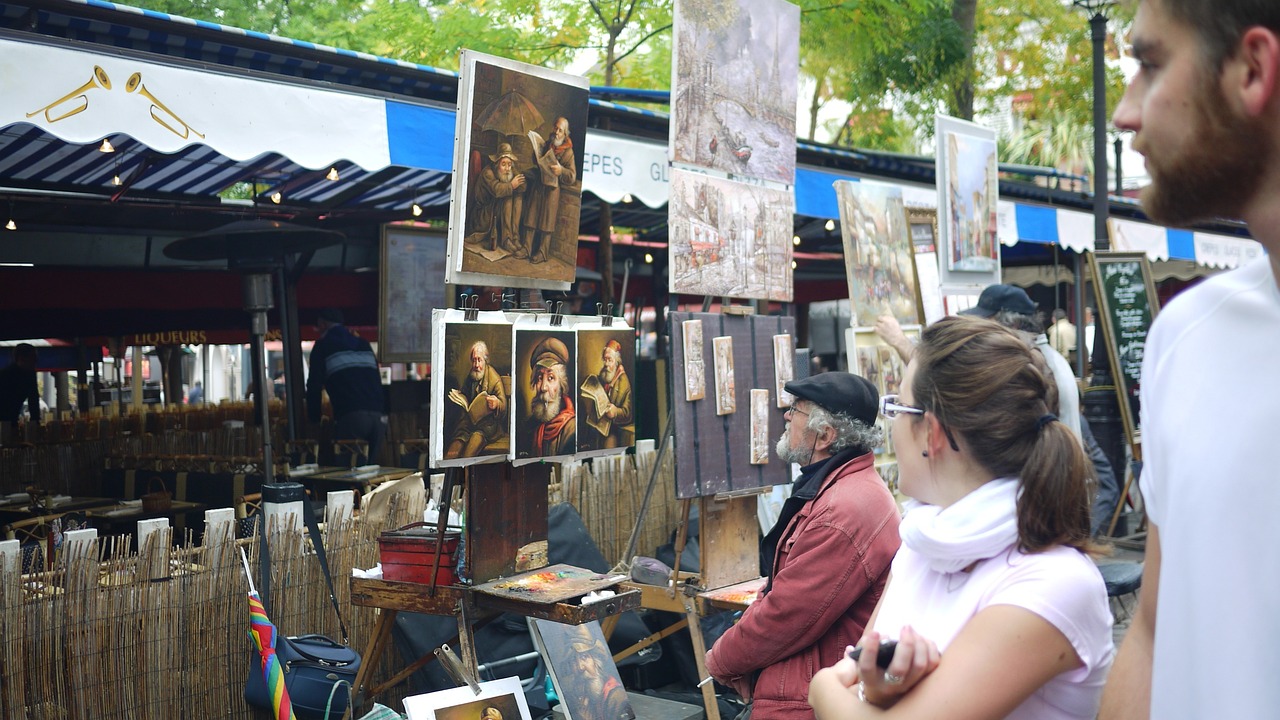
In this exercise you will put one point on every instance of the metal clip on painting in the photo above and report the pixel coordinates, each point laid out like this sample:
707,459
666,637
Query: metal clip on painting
470,307
606,318
508,300
557,319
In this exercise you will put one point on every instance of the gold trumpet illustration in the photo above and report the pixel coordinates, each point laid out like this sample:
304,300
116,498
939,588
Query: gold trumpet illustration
135,83
99,78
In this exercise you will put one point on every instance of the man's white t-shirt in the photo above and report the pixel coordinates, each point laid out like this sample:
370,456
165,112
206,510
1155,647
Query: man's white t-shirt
1061,585
1210,422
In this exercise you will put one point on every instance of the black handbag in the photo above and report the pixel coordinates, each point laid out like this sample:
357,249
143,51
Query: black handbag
318,672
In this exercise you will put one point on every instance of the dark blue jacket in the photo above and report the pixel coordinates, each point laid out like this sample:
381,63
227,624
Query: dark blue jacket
344,365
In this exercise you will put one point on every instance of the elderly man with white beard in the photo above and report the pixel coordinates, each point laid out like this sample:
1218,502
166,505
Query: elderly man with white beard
552,421
593,693
471,436
499,204
826,559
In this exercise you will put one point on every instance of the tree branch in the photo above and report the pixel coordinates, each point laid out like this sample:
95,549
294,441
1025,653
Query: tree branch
640,42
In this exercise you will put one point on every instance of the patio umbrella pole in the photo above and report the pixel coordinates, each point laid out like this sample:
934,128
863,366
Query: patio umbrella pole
257,301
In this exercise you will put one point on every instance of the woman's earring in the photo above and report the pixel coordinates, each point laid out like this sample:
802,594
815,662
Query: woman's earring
924,453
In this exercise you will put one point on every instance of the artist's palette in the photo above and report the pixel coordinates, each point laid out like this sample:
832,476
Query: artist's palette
552,584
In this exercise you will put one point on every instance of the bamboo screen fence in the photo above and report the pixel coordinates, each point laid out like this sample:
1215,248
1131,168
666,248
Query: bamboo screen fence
97,638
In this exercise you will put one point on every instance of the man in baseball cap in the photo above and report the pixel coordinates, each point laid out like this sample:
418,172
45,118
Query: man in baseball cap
552,421
827,558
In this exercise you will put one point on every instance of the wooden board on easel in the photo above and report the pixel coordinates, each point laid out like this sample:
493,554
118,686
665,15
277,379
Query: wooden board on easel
729,540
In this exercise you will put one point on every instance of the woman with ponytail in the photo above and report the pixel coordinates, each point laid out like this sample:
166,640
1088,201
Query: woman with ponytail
997,609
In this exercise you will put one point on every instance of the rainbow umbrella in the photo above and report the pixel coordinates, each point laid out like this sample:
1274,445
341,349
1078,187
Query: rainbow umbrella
264,636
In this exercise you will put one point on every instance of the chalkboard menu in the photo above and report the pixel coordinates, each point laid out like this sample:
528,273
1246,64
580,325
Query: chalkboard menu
411,284
1127,305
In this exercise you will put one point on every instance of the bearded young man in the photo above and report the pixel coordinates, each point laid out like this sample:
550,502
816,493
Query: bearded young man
827,558
1205,111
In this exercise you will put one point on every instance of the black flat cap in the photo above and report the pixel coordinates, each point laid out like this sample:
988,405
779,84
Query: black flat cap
995,298
839,392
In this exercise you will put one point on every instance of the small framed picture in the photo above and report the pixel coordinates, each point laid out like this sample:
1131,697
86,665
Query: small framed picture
784,367
722,349
497,700
695,365
759,426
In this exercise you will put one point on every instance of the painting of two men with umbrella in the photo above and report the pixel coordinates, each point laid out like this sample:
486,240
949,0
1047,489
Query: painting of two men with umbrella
517,175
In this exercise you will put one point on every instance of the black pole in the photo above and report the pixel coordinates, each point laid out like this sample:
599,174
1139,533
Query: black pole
1098,25
1118,144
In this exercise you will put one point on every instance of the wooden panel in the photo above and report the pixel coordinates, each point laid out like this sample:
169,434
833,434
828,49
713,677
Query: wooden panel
506,510
412,597
713,454
730,541
547,585
567,613
732,597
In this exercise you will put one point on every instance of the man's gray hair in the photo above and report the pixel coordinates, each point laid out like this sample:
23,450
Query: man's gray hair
480,347
1018,321
850,432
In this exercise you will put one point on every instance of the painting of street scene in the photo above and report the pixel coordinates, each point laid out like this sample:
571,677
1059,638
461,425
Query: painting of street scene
734,78
729,238
967,155
517,193
878,254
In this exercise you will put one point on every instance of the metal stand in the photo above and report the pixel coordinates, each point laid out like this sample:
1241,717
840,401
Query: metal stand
257,301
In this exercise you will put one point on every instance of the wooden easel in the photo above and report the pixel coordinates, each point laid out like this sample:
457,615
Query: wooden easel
506,509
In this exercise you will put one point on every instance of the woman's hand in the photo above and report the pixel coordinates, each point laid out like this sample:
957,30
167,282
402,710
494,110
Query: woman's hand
914,658
834,688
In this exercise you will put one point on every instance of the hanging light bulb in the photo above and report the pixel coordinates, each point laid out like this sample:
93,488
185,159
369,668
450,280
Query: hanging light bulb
417,210
793,264
333,174
648,258
795,240
106,146
276,197
626,197
11,225
115,180
831,225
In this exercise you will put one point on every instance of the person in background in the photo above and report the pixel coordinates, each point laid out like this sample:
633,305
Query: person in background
997,609
1204,109
344,365
195,395
1062,335
18,385
827,557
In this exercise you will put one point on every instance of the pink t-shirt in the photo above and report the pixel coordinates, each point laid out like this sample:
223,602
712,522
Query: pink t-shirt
1061,585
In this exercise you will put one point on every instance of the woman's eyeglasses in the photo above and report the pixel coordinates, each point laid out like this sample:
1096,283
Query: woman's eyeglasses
891,408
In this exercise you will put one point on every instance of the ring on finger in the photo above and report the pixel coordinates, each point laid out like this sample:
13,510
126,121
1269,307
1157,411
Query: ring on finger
892,679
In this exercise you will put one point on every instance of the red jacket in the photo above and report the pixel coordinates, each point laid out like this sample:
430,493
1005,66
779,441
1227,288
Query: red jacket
828,574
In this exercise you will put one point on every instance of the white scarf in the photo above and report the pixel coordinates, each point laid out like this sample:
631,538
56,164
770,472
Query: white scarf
978,526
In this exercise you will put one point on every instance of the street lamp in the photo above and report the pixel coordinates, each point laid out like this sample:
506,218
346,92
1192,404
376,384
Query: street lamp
1098,27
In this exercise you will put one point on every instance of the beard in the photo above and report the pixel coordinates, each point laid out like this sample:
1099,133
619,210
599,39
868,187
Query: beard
477,375
506,175
1219,171
546,406
787,453
608,375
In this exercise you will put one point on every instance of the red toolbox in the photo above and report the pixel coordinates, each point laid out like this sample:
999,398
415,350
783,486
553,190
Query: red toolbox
408,554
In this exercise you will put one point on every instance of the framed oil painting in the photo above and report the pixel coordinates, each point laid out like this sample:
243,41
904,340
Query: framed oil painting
969,251
544,423
517,189
410,287
734,71
497,700
606,402
728,238
582,671
878,254
470,389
